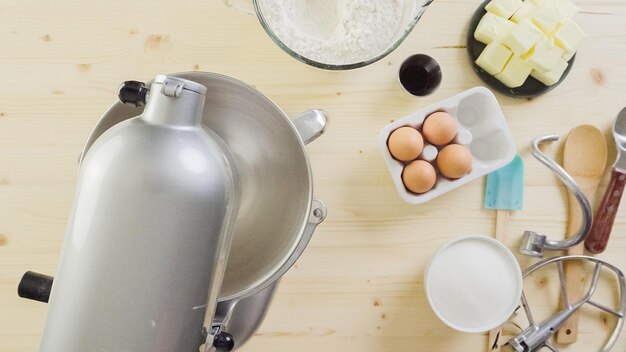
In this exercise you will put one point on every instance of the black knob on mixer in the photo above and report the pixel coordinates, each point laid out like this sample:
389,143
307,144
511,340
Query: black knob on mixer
224,342
133,92
35,286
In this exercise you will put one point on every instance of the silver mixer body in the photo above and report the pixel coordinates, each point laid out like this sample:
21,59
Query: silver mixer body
146,264
147,241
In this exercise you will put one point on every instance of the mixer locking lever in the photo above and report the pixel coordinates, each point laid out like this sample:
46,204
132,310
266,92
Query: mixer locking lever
133,93
35,286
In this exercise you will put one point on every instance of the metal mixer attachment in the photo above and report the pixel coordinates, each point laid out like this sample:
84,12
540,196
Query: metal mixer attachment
536,336
534,243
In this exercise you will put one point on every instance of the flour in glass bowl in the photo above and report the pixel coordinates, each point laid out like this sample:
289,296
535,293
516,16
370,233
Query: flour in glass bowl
338,32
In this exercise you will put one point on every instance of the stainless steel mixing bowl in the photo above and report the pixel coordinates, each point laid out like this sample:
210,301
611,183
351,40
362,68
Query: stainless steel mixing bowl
278,214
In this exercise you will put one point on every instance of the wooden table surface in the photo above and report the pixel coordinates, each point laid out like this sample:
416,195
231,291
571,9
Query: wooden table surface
358,287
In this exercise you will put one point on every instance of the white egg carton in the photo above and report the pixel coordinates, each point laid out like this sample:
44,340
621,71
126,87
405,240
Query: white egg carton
477,111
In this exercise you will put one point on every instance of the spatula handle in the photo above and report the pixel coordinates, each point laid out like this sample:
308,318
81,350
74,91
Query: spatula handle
598,237
502,227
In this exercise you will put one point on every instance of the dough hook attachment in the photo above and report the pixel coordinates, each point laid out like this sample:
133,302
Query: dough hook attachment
536,336
534,243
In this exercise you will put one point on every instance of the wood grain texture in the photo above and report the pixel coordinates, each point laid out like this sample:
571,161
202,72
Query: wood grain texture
358,286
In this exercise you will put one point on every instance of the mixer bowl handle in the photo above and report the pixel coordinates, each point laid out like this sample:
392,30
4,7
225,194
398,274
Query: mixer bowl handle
310,125
317,215
226,318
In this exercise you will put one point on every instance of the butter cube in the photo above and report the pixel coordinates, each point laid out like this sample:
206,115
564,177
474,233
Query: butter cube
569,55
523,37
514,73
568,36
566,8
503,8
492,27
551,77
525,11
544,56
494,57
546,17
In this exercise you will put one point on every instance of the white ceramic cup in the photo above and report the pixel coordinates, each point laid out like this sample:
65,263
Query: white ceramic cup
473,284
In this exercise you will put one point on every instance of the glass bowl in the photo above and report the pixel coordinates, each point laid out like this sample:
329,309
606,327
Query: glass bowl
406,28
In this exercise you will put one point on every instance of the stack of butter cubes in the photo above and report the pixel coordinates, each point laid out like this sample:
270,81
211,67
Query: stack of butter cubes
528,38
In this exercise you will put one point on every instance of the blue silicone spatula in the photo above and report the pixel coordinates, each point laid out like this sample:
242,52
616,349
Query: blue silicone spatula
505,187
504,193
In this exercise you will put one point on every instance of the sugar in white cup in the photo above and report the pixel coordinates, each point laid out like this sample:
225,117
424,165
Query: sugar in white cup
473,284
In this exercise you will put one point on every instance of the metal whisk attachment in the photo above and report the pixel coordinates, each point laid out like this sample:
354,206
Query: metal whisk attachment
537,335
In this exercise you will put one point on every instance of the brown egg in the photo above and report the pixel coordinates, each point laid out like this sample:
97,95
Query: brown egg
419,176
439,128
405,143
454,161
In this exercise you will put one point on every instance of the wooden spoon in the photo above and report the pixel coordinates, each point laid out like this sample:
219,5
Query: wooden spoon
584,158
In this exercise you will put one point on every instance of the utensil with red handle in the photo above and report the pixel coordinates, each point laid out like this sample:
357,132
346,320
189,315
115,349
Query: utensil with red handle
598,237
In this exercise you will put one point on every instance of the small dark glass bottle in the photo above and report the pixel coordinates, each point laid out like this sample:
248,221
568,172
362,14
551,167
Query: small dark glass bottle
420,75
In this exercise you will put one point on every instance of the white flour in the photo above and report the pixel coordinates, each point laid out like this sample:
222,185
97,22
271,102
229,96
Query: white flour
338,31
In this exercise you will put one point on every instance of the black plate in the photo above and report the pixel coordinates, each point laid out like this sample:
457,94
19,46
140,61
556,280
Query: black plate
531,88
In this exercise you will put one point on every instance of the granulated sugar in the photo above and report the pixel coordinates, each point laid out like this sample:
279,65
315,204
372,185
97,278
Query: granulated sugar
475,284
338,32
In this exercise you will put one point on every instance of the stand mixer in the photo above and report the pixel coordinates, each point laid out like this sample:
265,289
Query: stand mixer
169,178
